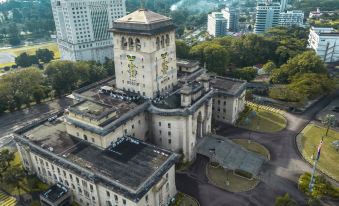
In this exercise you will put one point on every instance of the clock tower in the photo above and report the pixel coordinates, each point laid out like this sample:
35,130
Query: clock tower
144,53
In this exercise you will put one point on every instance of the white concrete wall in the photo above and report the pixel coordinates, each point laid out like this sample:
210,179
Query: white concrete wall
150,77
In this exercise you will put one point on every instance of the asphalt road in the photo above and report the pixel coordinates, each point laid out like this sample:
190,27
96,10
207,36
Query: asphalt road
278,176
9,122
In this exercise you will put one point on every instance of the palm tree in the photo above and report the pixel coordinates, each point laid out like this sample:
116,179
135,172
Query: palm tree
329,121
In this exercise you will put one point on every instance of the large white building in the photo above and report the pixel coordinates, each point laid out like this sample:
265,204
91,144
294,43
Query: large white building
82,27
217,24
325,42
267,16
118,144
231,14
291,18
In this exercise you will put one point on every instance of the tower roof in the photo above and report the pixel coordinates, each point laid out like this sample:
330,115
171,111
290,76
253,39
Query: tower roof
143,16
143,22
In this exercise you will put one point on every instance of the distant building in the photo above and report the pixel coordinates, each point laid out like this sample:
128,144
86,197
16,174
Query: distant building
291,18
283,5
325,42
231,14
315,14
82,27
267,16
217,24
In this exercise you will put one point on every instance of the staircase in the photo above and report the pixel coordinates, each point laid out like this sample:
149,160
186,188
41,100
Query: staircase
6,200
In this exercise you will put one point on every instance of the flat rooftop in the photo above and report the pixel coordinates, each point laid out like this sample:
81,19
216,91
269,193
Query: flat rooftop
187,63
122,101
55,192
129,162
91,109
228,85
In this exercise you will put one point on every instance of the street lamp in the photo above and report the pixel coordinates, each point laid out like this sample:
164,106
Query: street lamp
329,121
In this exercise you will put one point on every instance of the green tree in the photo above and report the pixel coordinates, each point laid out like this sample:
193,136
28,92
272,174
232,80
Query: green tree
182,49
246,73
13,176
214,55
306,62
25,60
18,87
109,66
14,40
62,76
285,200
5,159
269,67
44,55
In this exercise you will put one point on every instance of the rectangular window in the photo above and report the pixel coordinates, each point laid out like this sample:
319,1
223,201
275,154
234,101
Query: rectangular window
169,141
159,124
169,125
169,133
108,194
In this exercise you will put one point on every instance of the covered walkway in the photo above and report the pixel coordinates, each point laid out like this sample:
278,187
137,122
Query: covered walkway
230,155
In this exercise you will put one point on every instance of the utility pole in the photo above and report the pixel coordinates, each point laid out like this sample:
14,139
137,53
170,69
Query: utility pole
311,185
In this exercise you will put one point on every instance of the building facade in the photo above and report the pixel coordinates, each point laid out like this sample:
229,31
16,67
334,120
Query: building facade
216,24
291,18
118,144
231,14
325,42
146,54
267,16
82,27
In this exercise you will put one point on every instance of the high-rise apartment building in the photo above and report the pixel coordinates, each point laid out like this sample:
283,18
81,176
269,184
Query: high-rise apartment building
283,5
82,27
325,42
217,24
267,16
291,18
231,14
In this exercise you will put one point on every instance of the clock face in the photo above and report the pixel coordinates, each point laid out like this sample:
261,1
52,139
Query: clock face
132,68
164,64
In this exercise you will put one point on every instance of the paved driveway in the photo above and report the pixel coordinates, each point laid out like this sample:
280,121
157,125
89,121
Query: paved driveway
278,176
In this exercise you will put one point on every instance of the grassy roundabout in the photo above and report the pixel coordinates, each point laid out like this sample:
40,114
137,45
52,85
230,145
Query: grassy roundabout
263,121
229,181
184,200
253,147
308,141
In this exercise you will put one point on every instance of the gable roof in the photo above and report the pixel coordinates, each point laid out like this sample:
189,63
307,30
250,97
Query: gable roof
143,16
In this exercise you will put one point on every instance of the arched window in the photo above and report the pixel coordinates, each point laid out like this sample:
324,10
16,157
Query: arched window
137,44
130,44
123,43
158,43
167,40
162,42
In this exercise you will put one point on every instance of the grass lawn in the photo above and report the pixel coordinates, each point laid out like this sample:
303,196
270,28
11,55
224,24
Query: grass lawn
25,187
52,46
308,142
265,121
218,177
184,200
253,147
